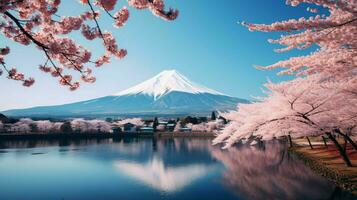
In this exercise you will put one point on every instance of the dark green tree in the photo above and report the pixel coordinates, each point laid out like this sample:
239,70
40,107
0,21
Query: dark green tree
189,119
33,128
108,119
66,127
213,116
4,119
155,124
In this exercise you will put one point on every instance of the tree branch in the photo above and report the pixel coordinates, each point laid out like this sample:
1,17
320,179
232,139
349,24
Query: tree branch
96,21
56,68
28,35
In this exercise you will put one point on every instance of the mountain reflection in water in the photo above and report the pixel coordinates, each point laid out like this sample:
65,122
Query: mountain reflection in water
155,174
137,168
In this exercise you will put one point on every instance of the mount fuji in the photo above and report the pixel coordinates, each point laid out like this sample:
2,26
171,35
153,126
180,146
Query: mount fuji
168,93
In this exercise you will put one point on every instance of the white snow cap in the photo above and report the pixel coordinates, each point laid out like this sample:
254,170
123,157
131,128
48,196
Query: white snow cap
165,82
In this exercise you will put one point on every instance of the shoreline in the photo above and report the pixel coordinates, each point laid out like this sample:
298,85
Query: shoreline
34,136
341,176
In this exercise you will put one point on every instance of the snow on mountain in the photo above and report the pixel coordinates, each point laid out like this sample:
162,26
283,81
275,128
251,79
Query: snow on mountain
166,82
168,93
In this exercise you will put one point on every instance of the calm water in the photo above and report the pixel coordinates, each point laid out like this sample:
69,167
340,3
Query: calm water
155,169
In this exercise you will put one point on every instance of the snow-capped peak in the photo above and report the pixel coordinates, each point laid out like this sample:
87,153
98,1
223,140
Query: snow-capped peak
166,82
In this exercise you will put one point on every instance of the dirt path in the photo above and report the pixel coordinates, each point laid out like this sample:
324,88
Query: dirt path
326,161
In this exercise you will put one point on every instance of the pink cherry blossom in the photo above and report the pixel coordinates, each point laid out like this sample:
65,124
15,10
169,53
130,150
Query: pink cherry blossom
121,17
106,4
322,98
28,82
37,22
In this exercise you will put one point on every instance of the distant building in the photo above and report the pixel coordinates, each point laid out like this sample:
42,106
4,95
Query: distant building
117,129
129,127
185,129
163,123
147,130
170,127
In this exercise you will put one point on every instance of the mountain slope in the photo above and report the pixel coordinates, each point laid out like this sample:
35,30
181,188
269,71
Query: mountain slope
166,82
168,93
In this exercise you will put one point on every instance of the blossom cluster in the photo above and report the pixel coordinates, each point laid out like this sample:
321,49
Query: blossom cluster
95,125
322,98
27,125
211,126
36,22
135,121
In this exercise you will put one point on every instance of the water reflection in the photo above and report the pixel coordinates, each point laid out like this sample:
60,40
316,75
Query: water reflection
156,175
169,168
258,172
139,168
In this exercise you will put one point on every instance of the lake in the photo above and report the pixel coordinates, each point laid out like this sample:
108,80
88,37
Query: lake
148,168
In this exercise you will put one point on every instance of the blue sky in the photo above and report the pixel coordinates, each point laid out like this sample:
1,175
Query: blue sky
205,43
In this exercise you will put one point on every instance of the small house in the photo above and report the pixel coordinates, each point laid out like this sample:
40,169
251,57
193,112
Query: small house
185,129
129,127
163,123
147,129
116,129
170,127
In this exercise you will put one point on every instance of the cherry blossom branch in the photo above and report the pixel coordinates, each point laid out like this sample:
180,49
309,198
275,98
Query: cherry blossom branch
339,25
345,23
96,21
110,15
73,64
56,68
4,66
16,21
14,75
75,55
34,24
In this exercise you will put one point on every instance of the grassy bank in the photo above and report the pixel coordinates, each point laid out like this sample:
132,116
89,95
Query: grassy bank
326,161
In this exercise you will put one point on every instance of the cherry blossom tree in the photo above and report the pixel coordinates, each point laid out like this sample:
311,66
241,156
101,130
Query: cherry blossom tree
161,127
23,125
42,126
82,125
211,126
198,127
188,125
323,100
300,108
37,23
177,127
135,121
335,35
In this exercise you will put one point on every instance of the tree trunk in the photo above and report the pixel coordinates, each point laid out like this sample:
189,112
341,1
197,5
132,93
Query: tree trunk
261,143
348,139
309,142
345,145
340,150
290,141
324,139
